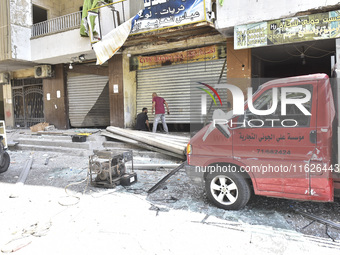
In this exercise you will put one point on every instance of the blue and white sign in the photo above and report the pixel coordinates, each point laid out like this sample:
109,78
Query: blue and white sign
160,14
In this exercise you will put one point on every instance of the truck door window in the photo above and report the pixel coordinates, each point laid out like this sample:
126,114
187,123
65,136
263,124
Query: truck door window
265,101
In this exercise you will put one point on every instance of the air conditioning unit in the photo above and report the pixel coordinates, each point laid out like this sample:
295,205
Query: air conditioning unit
43,71
4,78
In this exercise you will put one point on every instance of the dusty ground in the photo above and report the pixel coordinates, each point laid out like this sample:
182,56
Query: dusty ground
42,218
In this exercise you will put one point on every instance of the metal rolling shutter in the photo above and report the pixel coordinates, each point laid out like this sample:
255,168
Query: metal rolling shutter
177,84
89,104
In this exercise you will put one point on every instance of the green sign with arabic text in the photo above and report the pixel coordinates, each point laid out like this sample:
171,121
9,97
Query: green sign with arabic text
291,30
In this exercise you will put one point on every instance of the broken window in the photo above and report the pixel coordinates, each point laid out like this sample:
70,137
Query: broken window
39,14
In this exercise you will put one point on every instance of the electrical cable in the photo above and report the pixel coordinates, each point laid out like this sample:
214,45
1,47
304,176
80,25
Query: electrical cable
320,49
272,61
309,56
74,196
322,56
236,57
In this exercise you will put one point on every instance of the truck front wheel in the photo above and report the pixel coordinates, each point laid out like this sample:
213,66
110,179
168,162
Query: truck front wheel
4,164
229,191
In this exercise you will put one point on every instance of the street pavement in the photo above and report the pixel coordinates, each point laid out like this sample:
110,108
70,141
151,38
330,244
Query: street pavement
57,211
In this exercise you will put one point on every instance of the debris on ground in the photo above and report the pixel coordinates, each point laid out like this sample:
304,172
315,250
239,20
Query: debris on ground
39,127
165,178
49,128
22,177
178,195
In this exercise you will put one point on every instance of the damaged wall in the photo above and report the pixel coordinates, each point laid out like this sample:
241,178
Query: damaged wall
130,93
5,42
21,22
233,13
52,6
8,105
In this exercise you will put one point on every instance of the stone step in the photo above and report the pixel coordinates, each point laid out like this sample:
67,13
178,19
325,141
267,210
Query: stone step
52,143
60,137
72,151
51,137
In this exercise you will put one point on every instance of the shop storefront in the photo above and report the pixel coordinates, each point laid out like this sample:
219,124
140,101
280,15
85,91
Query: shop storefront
175,76
88,100
292,46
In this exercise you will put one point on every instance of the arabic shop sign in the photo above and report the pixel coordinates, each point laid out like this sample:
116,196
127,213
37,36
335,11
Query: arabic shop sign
291,30
181,57
169,13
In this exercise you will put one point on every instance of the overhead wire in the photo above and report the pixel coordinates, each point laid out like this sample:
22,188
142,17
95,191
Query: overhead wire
271,61
309,56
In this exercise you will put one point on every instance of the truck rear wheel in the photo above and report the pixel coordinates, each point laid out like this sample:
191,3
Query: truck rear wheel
4,164
229,191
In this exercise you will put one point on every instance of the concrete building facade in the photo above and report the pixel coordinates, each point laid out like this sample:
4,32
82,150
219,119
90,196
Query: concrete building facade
72,91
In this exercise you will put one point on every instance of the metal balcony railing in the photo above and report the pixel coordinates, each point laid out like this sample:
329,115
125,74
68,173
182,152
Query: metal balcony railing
60,24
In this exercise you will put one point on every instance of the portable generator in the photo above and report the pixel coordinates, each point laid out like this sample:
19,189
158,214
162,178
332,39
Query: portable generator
107,169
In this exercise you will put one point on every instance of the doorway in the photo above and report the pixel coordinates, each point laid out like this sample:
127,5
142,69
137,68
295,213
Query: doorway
28,102
294,59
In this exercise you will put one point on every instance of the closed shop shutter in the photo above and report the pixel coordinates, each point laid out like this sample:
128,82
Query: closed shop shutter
89,104
178,85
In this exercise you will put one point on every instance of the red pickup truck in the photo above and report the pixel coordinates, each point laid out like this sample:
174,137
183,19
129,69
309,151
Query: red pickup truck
288,153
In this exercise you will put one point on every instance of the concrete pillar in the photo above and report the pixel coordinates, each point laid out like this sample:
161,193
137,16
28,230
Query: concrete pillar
116,91
8,105
130,94
238,68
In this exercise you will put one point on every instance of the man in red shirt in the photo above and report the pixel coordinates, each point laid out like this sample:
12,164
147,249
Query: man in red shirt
158,105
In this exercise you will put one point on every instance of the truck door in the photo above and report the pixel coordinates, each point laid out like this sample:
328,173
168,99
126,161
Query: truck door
321,169
276,147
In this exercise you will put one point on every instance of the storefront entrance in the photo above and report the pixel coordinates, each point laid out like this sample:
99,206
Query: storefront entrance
28,102
294,59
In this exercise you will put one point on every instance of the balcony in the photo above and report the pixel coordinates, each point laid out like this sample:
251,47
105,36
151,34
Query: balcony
56,25
58,40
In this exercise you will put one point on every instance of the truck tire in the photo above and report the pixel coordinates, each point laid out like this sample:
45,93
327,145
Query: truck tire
4,164
229,191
